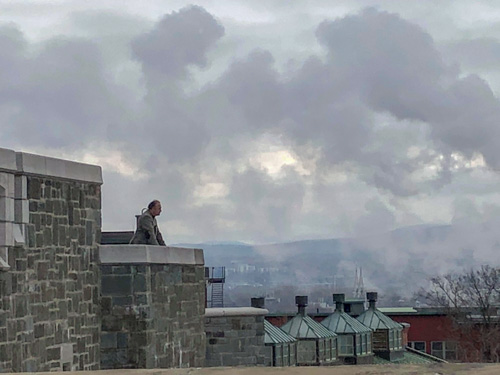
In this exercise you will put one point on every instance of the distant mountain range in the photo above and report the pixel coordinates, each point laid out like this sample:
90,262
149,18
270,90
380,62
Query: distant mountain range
398,262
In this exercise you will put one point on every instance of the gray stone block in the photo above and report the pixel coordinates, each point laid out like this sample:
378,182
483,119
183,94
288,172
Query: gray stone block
66,353
109,340
106,270
21,211
34,188
7,209
19,234
141,299
122,270
54,353
117,254
6,185
122,340
114,359
6,234
122,300
111,323
116,284
173,277
20,187
7,159
45,166
139,283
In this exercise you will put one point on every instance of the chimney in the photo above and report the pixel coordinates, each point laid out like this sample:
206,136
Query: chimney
301,302
372,299
258,302
339,302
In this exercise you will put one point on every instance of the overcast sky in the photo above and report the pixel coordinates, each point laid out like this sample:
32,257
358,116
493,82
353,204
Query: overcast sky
264,121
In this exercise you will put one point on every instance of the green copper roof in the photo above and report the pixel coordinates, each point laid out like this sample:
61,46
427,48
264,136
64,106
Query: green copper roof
275,335
397,310
304,327
341,322
375,319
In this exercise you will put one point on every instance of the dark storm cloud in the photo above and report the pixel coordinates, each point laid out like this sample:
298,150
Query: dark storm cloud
468,119
381,89
67,91
178,40
57,96
252,86
320,108
371,67
394,66
392,63
482,53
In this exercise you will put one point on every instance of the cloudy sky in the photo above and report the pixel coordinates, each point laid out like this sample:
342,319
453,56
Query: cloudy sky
264,121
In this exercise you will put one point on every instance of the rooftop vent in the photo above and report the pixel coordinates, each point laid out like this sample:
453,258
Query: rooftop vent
301,302
339,301
372,298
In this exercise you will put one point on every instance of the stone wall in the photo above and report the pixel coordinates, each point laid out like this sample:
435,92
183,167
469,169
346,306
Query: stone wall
50,220
153,305
235,337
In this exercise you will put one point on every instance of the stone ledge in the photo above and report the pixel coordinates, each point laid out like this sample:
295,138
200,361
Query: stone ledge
217,312
7,159
31,164
139,254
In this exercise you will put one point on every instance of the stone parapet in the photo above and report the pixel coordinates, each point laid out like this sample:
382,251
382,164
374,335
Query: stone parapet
153,305
23,163
148,254
7,160
30,164
217,312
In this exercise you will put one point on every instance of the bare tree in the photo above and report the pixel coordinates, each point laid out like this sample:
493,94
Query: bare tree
471,300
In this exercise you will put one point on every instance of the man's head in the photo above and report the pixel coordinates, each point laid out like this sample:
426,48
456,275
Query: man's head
154,208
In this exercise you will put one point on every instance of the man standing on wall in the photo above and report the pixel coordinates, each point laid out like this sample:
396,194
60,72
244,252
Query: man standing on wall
147,232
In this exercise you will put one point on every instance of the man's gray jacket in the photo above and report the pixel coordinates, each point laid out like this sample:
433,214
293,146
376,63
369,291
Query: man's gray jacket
147,232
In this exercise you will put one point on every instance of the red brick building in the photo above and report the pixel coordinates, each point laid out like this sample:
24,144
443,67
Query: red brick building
434,332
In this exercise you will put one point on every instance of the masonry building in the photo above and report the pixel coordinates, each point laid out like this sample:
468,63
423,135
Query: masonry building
50,220
67,303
